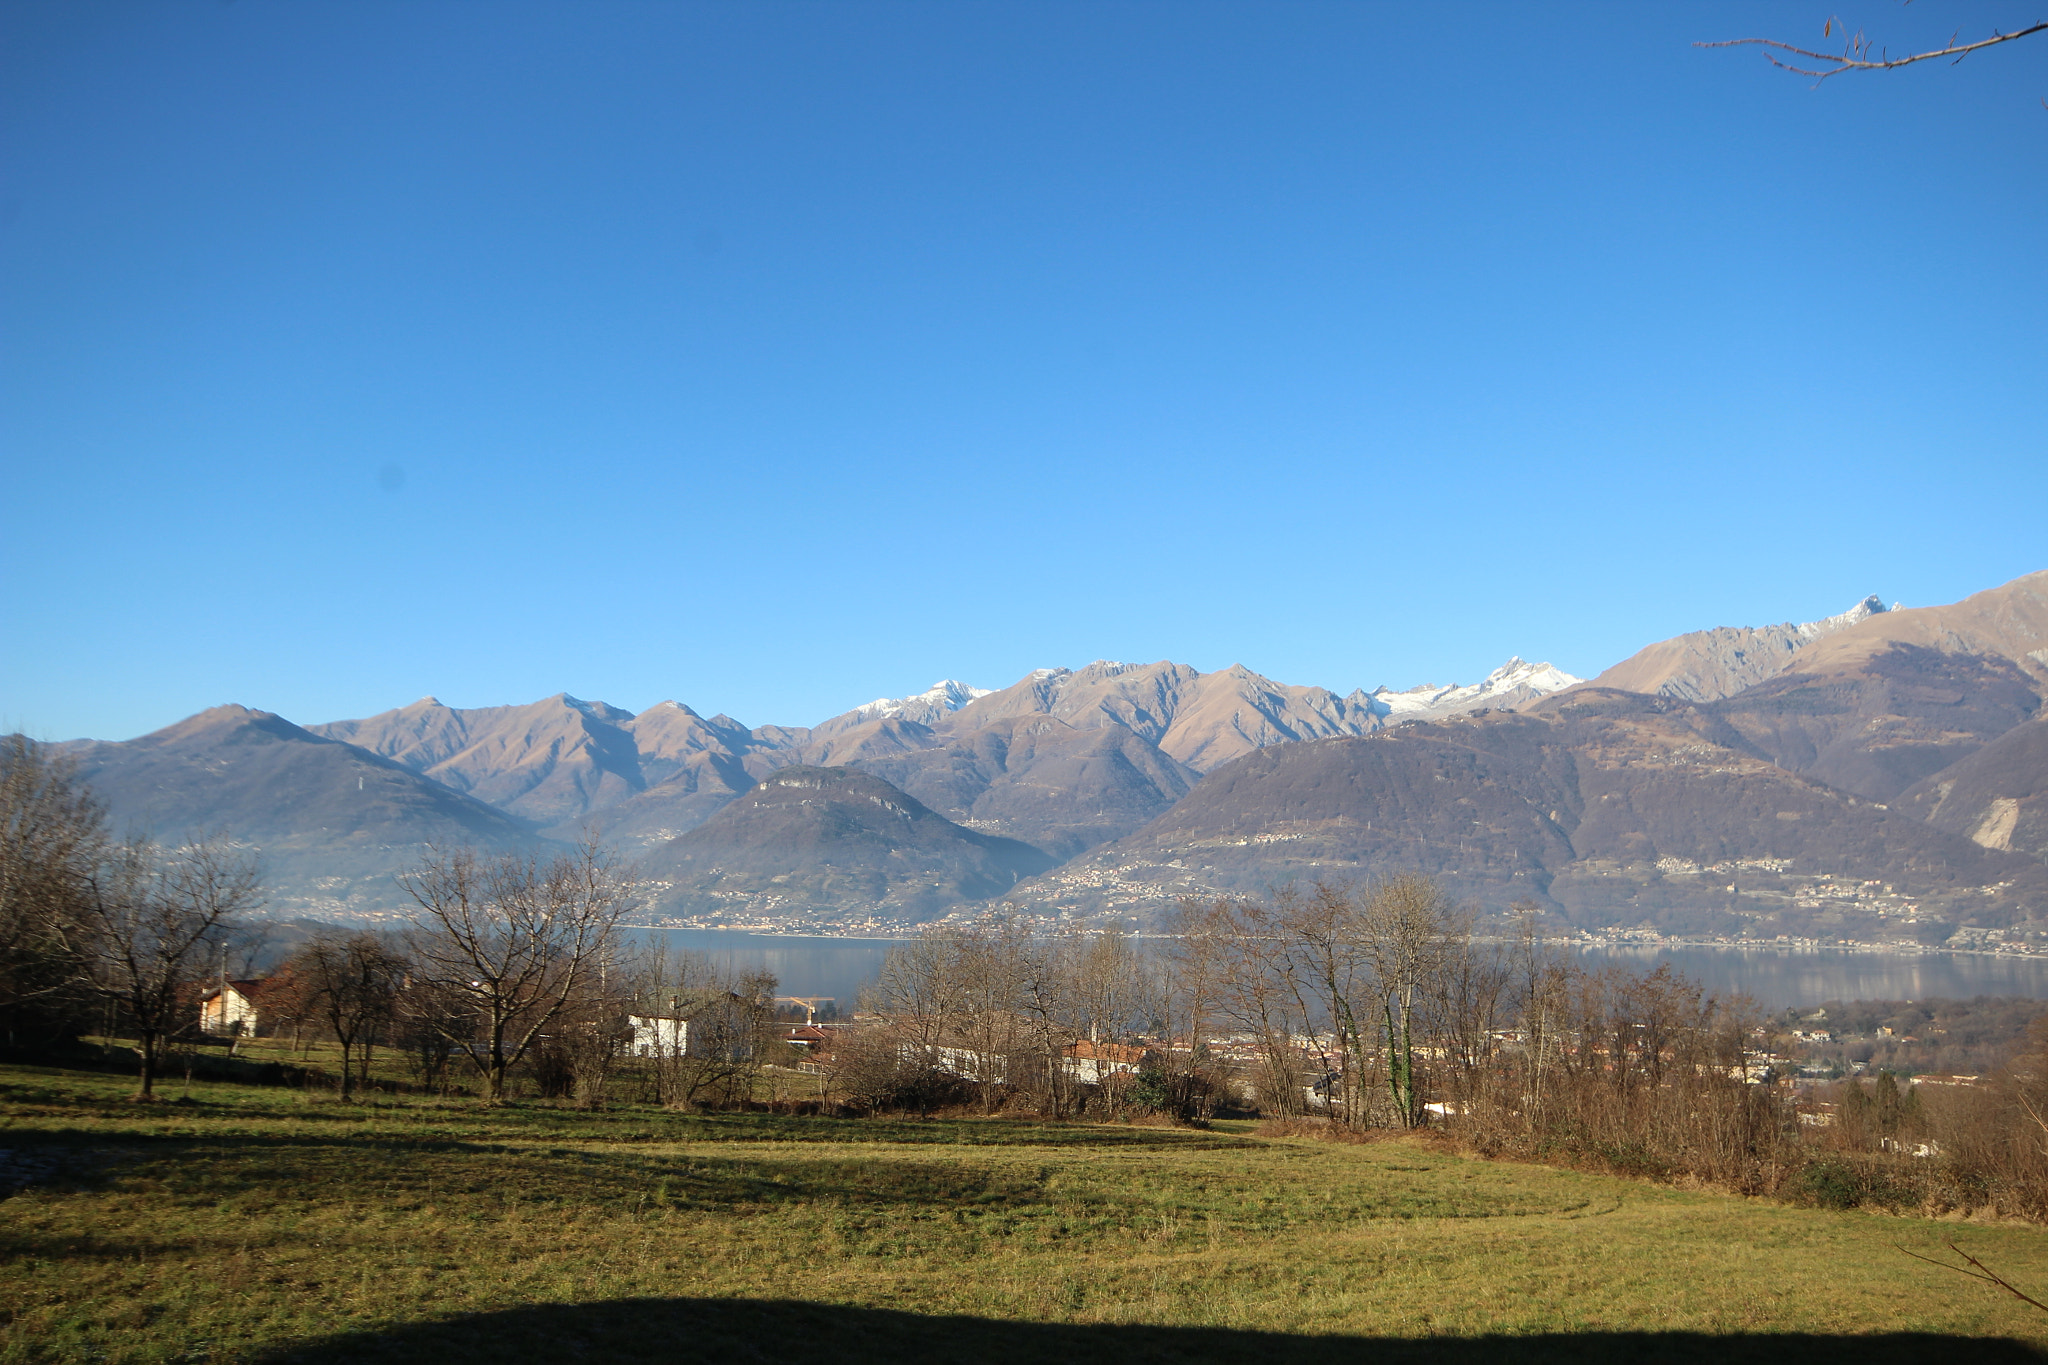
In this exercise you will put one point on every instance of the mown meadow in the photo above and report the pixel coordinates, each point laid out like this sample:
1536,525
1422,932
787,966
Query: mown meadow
261,1223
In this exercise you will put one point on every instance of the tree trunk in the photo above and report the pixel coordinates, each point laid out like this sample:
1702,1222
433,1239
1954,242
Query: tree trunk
1401,1064
145,1083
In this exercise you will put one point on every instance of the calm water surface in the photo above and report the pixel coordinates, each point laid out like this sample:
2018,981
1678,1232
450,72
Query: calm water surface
1777,977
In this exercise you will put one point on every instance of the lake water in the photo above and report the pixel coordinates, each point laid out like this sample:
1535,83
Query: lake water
1777,977
836,967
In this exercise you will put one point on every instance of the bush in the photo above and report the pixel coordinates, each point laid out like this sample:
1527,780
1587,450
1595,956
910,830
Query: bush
1828,1183
1836,1182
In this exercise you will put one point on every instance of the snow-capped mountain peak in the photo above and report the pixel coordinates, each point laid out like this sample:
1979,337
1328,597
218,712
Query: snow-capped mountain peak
1513,683
942,697
1870,606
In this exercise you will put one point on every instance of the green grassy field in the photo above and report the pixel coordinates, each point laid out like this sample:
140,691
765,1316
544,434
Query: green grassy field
267,1224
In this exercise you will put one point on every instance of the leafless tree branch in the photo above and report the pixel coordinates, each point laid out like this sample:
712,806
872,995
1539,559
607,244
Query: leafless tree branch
1856,53
1977,1270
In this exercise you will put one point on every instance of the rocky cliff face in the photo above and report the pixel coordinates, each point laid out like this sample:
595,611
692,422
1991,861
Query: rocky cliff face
1996,797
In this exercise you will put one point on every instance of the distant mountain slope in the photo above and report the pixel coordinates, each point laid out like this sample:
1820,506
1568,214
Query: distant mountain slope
1029,777
561,760
1997,797
1707,665
1876,722
332,822
835,841
563,763
1200,719
548,761
2008,622
1610,812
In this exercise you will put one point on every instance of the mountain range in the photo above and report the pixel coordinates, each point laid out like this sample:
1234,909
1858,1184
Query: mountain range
1876,774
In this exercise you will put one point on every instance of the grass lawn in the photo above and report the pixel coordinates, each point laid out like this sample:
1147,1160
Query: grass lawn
265,1224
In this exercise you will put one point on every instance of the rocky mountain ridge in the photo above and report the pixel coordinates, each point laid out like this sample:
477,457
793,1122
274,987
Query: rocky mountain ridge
1882,789
1886,778
1707,665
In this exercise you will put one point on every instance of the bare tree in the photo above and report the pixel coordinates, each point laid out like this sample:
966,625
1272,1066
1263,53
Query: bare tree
1541,983
516,940
708,1031
1351,981
1047,990
988,962
1117,991
919,993
1232,958
353,982
1410,937
288,1001
426,1017
591,1036
1471,997
52,837
1324,938
157,918
1859,53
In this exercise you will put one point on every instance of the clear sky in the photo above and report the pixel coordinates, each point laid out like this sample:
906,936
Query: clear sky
774,357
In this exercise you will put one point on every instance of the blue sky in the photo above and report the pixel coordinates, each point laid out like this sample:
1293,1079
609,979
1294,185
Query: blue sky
774,357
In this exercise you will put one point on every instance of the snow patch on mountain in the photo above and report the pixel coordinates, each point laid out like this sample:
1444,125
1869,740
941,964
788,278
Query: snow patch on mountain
1513,683
1870,606
945,695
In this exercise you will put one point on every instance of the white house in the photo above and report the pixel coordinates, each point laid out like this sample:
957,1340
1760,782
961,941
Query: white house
656,1035
229,1008
1092,1062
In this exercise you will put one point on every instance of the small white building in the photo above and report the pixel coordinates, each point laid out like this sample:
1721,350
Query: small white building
656,1035
1092,1063
229,1008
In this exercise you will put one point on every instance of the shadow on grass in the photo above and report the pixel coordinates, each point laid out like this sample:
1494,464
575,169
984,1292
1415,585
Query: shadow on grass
725,1330
55,1093
396,1166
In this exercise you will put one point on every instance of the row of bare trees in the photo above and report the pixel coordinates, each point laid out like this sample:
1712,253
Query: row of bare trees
91,924
1344,992
1377,1005
1355,1005
1350,1001
513,961
517,978
989,1010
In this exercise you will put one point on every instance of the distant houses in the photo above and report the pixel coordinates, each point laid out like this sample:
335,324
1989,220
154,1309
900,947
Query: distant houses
1093,1063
